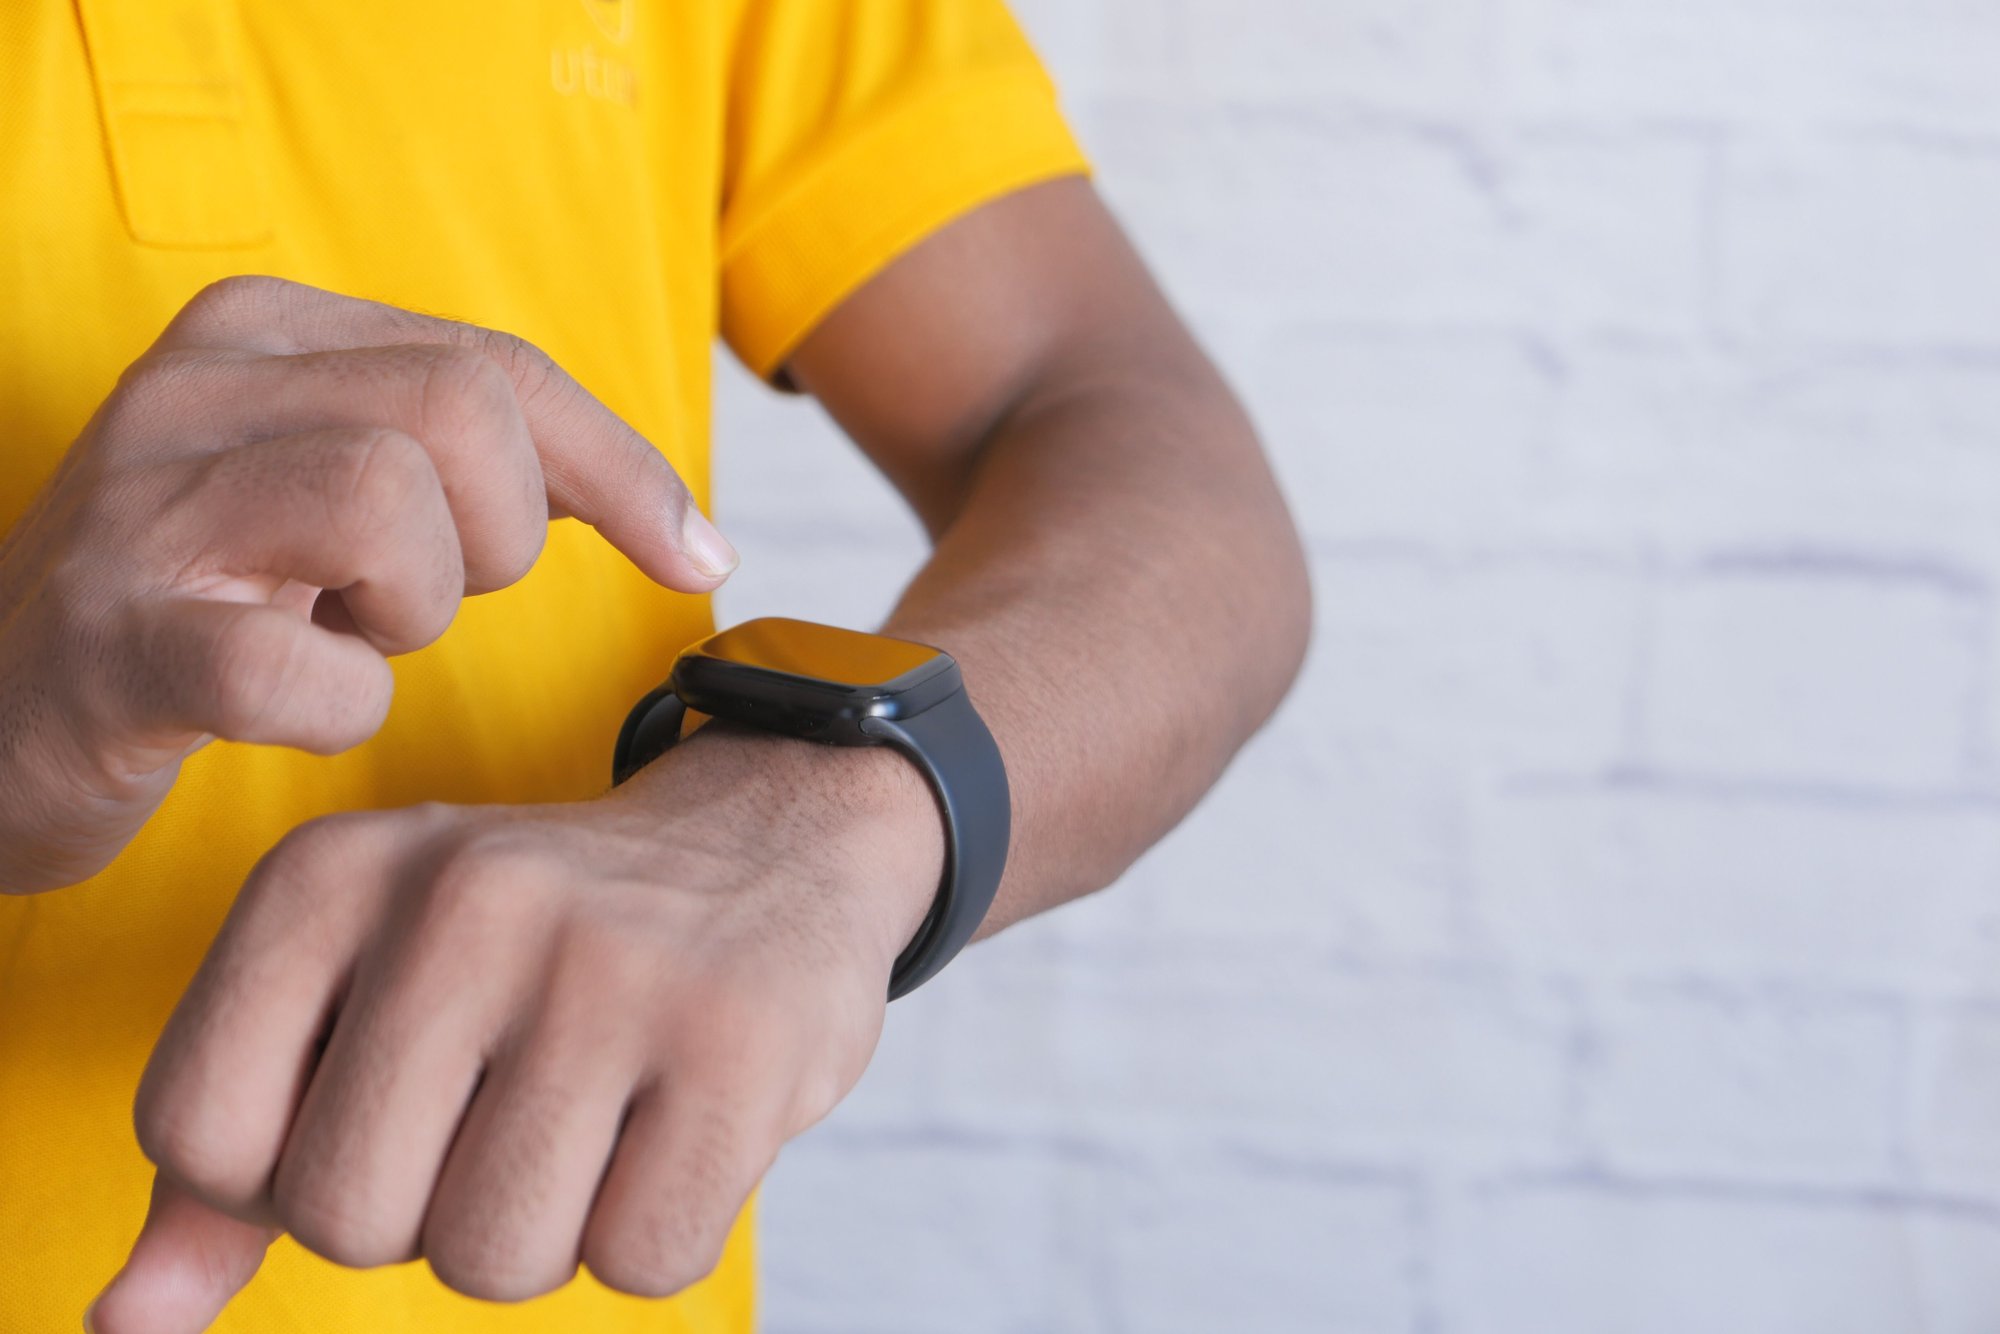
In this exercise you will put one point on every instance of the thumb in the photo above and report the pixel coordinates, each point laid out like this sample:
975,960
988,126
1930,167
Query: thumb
188,1262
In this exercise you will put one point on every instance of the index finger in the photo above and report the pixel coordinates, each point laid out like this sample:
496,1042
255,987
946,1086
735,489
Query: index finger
596,467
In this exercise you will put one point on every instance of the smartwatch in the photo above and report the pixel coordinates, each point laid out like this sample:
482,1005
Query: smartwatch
847,688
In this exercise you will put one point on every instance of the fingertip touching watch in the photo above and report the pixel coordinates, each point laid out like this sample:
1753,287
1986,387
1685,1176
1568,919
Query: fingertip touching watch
849,688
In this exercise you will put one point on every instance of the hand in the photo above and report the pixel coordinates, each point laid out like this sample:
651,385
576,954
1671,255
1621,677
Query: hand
653,991
287,488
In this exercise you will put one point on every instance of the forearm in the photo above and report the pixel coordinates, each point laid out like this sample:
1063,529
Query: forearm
1125,592
1115,570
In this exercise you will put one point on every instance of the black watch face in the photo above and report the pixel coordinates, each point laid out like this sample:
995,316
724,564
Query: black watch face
820,652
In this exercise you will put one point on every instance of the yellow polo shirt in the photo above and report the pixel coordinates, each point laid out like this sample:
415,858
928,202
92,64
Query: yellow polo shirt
617,180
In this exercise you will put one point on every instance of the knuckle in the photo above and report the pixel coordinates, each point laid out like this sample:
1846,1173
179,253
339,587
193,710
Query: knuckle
490,880
659,1244
444,593
462,389
230,301
530,373
193,1148
290,882
334,1223
483,1260
309,847
237,289
281,881
521,555
159,372
381,474
469,394
657,1257
524,552
151,394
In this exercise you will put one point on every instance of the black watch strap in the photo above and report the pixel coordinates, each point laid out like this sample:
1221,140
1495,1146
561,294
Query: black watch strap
971,788
651,730
959,759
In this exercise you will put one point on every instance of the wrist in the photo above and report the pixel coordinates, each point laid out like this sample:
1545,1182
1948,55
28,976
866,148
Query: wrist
861,818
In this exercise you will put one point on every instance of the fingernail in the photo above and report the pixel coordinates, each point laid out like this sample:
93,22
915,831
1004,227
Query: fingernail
705,544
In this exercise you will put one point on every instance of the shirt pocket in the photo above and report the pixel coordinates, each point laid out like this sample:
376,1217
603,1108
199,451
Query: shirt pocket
174,106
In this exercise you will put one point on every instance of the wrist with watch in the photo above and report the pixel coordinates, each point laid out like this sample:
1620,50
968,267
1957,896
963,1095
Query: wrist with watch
847,688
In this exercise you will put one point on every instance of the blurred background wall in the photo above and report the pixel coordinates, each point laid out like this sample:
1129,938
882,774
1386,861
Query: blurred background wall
1607,936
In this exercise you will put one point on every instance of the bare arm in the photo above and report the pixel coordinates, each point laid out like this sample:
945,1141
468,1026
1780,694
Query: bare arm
1115,569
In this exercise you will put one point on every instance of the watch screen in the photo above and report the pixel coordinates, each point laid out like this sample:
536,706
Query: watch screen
825,652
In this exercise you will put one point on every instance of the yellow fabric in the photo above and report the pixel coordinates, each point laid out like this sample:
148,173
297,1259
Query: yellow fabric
617,180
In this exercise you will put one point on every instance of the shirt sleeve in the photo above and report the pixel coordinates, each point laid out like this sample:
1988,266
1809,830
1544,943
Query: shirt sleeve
854,129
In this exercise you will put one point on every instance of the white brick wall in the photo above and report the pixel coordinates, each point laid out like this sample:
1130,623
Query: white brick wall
1591,1254
1612,945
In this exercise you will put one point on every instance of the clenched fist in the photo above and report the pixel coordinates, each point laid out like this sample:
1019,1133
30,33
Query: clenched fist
513,1040
289,487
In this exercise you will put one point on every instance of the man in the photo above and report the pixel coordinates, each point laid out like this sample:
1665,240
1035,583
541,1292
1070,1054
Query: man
455,1001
